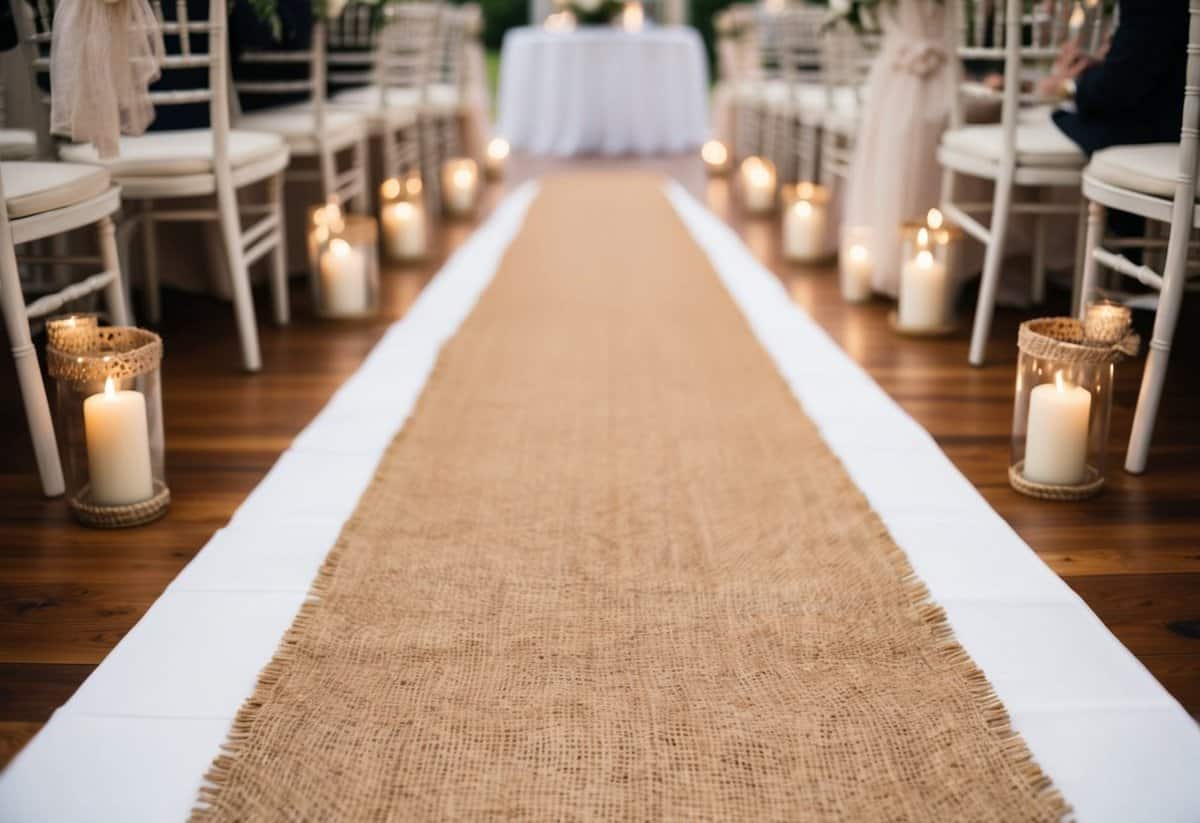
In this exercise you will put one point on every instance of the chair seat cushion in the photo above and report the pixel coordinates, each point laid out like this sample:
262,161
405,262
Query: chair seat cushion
1039,143
297,125
436,96
16,144
1150,169
170,153
33,188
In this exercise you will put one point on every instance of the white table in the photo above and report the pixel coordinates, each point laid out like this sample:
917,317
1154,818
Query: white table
600,90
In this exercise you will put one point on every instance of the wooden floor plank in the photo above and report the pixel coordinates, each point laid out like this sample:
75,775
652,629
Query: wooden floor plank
68,594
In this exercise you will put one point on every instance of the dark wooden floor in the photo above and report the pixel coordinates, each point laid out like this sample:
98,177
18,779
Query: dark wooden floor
68,594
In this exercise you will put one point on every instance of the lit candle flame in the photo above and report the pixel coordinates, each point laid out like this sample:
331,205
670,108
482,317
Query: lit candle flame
1078,16
805,190
1059,383
110,387
339,247
858,253
390,189
803,208
934,219
924,259
462,177
413,185
403,210
923,237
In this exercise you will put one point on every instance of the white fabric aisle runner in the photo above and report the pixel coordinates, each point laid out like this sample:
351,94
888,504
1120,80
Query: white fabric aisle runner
135,740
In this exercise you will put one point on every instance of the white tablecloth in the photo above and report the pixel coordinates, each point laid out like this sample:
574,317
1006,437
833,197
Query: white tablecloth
600,90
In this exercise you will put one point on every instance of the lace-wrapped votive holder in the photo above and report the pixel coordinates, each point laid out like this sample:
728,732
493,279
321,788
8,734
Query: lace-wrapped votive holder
460,186
757,181
805,221
345,282
402,219
108,418
928,252
1062,409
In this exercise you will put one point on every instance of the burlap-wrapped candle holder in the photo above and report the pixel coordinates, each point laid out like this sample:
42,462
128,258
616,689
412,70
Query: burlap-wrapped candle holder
108,417
1062,409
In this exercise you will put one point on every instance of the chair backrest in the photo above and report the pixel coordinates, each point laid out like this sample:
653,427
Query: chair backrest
190,45
790,43
1025,41
310,62
737,43
351,43
449,52
407,50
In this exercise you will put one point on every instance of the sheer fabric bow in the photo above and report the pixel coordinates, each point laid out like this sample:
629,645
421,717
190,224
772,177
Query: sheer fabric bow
103,58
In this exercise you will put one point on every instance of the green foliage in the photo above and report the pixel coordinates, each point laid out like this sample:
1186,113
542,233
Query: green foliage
703,12
268,12
498,17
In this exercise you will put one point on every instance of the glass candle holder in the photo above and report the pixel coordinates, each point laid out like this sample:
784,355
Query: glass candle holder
496,157
805,208
1106,321
402,220
460,186
108,418
715,155
1062,408
856,263
757,180
928,252
345,282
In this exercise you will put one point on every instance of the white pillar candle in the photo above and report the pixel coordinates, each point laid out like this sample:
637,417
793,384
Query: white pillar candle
1056,436
343,279
497,155
856,271
459,187
118,446
922,293
803,230
404,230
758,185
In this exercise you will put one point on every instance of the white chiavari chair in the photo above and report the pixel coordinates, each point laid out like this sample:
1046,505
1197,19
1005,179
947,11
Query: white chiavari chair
161,166
1156,181
848,57
394,79
312,131
1025,149
758,76
796,120
44,200
792,100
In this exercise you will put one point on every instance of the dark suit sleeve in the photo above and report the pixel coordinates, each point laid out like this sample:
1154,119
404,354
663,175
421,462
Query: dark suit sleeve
1138,62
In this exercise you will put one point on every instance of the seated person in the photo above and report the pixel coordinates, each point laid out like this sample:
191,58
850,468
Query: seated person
1132,91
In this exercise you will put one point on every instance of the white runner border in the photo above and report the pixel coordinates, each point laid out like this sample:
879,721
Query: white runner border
133,743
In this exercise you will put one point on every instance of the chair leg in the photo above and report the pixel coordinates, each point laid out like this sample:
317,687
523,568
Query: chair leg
947,194
29,374
150,263
1081,255
279,282
1091,266
1155,374
1037,286
993,261
360,202
114,292
239,275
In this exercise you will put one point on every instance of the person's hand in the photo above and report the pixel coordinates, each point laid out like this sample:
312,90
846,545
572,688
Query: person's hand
1071,63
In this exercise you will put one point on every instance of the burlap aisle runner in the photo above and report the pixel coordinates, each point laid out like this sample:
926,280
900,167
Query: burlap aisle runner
610,570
